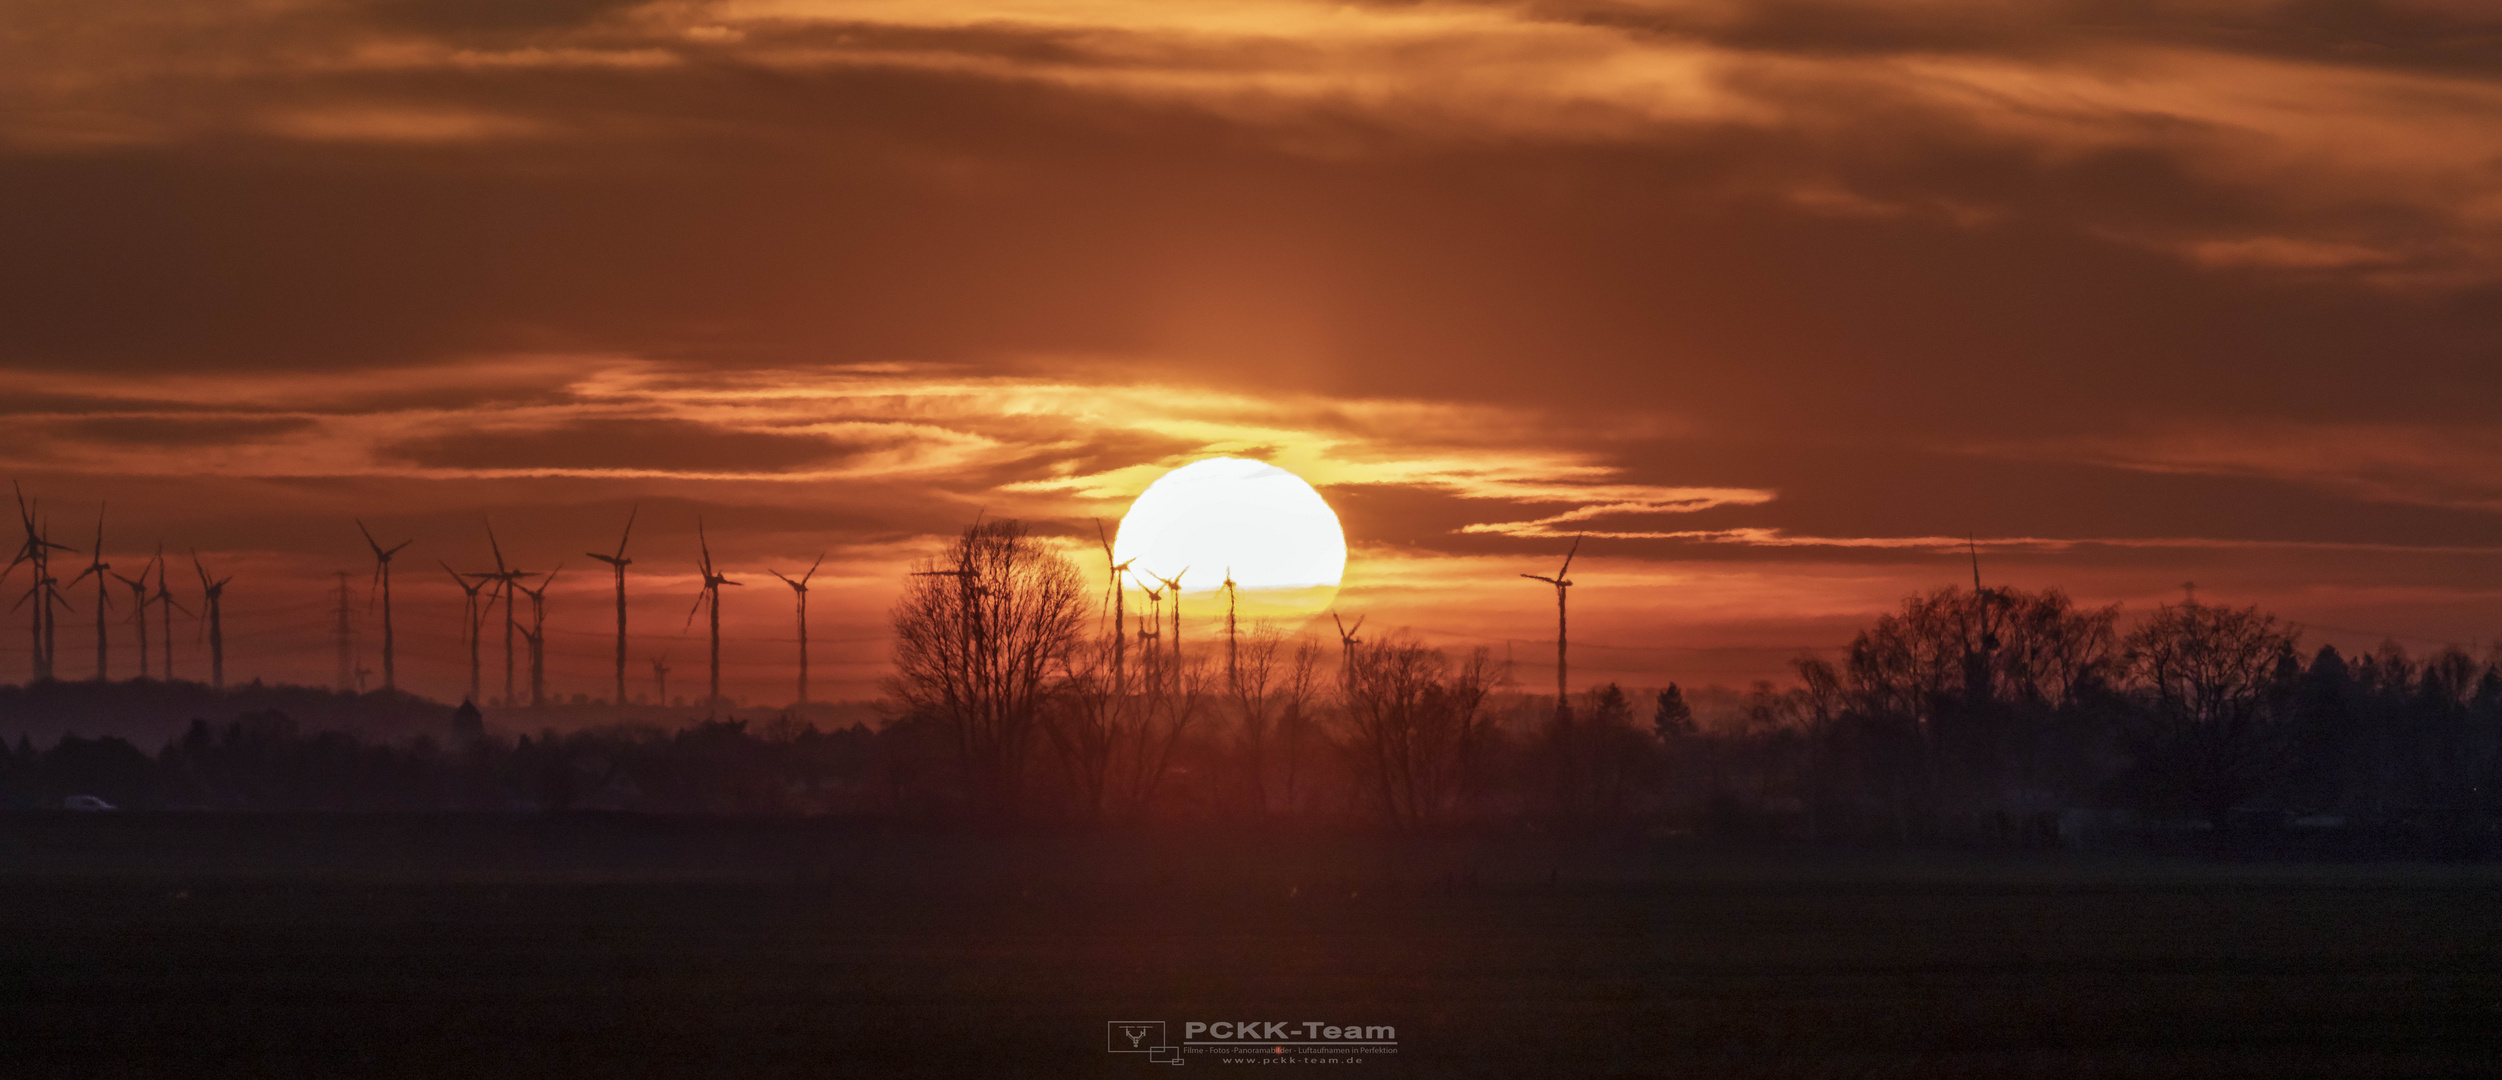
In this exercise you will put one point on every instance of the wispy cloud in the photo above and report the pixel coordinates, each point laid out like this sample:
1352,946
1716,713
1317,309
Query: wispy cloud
2446,466
2361,161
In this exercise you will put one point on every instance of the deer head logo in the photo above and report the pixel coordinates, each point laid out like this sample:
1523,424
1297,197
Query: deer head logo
1135,1034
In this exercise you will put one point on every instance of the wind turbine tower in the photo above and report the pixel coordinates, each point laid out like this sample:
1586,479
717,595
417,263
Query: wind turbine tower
139,613
1233,680
1120,603
101,569
167,606
44,590
1174,584
799,588
537,635
473,620
619,562
213,603
505,578
382,578
713,582
1562,583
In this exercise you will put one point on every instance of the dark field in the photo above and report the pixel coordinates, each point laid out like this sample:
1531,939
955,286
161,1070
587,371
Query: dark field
186,945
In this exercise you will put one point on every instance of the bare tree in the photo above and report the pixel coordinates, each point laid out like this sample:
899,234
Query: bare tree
981,654
1253,684
1298,732
2215,683
1415,727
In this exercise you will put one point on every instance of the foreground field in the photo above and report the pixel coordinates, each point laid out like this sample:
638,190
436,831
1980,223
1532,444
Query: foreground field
185,945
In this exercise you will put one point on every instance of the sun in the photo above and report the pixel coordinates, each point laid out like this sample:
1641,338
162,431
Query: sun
1265,526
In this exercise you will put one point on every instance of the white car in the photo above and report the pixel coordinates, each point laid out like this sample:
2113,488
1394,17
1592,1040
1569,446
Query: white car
86,802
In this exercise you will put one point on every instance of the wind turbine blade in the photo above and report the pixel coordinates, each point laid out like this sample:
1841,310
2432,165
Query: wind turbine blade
629,530
369,537
1576,550
812,568
496,547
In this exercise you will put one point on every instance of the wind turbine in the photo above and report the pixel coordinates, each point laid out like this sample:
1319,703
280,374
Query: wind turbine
1120,602
800,589
619,562
1174,583
139,613
382,576
1233,681
504,577
168,605
1346,643
711,591
473,619
101,569
1561,584
213,605
37,554
537,635
660,677
1153,632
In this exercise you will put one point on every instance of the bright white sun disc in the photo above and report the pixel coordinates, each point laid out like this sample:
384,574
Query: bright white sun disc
1279,539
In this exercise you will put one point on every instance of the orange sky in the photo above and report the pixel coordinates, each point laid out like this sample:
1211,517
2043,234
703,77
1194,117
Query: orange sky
1777,301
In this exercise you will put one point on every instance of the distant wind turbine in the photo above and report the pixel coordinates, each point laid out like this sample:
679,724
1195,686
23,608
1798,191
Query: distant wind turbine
799,588
1174,583
1346,644
101,569
505,577
1561,583
472,619
619,562
1233,681
139,613
1120,605
713,582
167,606
212,606
536,635
382,577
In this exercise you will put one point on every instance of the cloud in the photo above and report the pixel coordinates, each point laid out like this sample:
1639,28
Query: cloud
2428,465
2366,153
645,445
186,431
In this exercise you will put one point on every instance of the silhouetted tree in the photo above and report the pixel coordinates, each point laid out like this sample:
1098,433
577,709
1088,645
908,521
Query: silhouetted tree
1671,717
982,635
1415,727
2215,688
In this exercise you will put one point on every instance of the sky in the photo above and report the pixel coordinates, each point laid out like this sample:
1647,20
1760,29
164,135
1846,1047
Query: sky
1779,303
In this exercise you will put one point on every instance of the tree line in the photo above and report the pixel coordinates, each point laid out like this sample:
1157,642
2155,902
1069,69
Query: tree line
1989,714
